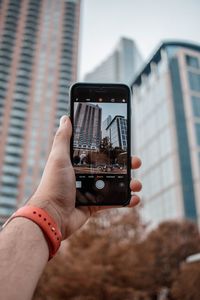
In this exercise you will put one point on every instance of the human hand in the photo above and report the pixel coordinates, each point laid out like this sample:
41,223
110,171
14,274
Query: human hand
56,192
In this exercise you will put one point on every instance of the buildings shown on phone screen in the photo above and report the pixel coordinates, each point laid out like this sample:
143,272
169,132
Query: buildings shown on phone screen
117,132
90,130
38,62
87,126
166,97
105,124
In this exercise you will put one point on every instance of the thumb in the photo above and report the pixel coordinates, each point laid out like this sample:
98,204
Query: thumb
61,143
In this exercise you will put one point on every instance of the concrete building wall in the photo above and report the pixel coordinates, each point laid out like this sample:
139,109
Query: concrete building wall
38,61
87,126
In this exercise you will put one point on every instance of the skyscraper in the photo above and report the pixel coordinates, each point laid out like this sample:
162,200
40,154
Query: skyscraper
105,124
121,66
116,132
38,61
87,126
166,101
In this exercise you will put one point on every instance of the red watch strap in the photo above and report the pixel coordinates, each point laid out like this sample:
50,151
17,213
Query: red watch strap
45,222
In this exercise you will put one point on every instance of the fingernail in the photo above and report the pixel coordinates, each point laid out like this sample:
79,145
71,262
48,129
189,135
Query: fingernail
63,119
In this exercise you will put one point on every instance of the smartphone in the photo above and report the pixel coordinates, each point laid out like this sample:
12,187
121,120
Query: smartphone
100,144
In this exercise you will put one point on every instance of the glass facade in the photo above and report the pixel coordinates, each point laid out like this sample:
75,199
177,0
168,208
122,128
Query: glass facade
117,132
166,101
194,90
192,61
183,139
194,81
9,180
154,144
197,128
38,62
196,106
120,66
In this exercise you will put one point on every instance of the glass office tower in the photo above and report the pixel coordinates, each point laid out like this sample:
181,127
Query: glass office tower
166,107
121,66
116,132
38,61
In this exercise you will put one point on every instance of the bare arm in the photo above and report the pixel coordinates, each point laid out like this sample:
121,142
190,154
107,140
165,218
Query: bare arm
23,249
23,255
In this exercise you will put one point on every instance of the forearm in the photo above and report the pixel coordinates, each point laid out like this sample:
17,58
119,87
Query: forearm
23,255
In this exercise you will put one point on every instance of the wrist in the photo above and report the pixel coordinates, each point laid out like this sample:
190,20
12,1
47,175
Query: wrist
24,254
44,221
49,208
29,232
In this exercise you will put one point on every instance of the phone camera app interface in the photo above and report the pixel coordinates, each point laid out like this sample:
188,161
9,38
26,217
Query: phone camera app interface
100,147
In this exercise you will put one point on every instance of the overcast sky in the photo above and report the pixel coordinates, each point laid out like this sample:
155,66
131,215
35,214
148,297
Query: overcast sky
112,110
148,22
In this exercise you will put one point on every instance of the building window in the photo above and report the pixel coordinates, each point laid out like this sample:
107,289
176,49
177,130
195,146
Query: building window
199,158
19,132
192,61
10,169
9,179
194,81
167,169
13,149
9,158
197,127
6,211
10,190
196,106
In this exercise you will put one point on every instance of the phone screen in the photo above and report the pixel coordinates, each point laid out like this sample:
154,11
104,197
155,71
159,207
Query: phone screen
101,144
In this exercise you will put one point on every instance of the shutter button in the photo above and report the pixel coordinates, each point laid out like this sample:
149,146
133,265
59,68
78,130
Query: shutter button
100,184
